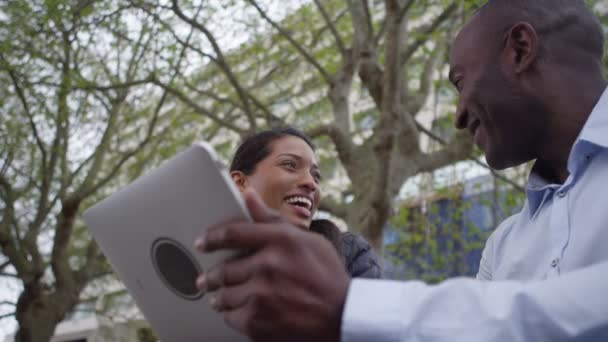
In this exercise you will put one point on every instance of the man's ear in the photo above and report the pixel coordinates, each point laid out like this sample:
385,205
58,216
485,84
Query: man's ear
240,179
521,47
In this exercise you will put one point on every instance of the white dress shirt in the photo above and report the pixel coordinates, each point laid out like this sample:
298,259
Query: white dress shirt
548,267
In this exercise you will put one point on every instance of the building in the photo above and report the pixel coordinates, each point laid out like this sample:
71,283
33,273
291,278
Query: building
443,234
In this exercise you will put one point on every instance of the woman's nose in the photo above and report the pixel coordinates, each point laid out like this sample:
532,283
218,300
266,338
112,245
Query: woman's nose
308,181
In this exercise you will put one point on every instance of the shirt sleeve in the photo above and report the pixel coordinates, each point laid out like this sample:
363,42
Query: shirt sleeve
485,264
573,307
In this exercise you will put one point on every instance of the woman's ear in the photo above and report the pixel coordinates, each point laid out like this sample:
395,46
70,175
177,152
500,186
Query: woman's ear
240,179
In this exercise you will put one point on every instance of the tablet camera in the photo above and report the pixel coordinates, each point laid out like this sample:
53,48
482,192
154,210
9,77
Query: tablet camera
176,268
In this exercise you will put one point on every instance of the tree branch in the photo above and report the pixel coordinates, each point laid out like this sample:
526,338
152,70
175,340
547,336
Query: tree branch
135,61
372,75
320,33
414,102
344,146
427,30
221,61
405,9
148,137
101,150
4,265
8,243
199,109
460,147
293,42
62,271
3,316
95,265
333,207
380,33
57,152
472,158
361,21
116,86
391,109
332,27
370,70
28,112
246,91
368,19
10,275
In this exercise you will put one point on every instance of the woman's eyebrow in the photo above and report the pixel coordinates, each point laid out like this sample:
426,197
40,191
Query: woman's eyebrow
295,156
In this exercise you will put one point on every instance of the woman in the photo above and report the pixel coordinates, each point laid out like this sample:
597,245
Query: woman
282,167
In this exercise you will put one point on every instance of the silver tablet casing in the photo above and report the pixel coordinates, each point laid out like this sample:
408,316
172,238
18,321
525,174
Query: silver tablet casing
177,201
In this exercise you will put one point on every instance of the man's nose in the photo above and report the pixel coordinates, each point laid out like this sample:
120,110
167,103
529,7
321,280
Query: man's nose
462,117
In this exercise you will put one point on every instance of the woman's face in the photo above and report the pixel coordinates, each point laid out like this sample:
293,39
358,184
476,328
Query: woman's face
287,180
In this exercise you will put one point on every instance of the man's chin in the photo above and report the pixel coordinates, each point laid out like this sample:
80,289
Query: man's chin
494,160
498,162
496,165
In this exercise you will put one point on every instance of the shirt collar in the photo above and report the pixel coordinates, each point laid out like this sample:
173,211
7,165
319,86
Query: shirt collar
535,190
594,135
595,130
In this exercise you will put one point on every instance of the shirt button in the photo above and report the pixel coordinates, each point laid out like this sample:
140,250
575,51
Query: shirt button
554,262
561,193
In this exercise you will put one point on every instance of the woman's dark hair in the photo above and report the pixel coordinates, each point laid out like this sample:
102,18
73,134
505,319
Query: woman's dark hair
257,147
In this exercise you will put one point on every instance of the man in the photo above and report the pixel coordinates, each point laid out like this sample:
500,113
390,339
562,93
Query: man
530,80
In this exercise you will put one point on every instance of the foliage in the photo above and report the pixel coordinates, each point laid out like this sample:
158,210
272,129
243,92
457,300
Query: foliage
97,92
443,235
81,115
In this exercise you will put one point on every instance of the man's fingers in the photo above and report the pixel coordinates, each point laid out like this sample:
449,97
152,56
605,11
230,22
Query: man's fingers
244,321
241,236
257,208
237,320
231,298
228,273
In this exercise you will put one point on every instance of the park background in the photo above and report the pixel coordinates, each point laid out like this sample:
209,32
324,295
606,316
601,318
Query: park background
95,93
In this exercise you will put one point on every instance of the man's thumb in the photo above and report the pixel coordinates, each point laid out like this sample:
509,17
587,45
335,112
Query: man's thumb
258,210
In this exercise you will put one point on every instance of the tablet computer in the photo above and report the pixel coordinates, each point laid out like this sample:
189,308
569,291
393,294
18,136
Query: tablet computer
147,231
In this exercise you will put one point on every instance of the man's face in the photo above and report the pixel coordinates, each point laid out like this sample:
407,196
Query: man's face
491,106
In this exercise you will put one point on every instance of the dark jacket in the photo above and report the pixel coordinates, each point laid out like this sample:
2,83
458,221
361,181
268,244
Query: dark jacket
360,259
358,255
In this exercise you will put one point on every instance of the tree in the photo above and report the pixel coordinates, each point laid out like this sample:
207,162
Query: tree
96,92
296,67
308,63
78,120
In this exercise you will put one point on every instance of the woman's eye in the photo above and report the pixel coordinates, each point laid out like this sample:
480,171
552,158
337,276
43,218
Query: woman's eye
289,164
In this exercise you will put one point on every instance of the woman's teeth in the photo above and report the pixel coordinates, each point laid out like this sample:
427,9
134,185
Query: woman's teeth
300,201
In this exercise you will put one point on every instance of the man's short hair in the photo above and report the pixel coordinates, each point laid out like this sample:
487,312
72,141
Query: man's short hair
560,23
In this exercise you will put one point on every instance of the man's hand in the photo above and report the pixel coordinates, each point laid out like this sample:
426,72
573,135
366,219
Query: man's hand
290,286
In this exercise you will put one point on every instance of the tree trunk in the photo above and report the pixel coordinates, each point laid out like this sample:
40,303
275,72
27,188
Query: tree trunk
40,309
369,220
36,316
35,327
